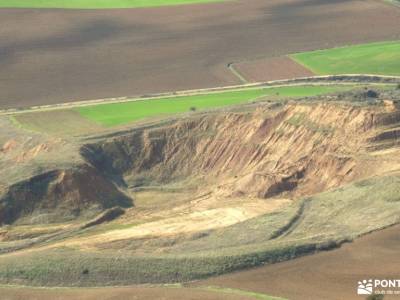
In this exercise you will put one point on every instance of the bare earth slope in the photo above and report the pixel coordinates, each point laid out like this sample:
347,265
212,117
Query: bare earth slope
51,56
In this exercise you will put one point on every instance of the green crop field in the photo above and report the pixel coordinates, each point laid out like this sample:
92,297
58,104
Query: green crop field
94,4
375,58
122,113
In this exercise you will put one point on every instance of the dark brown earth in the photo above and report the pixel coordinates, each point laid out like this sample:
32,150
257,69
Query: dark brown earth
274,68
331,275
52,56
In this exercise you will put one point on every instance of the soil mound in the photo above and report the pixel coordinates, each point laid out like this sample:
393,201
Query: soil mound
60,195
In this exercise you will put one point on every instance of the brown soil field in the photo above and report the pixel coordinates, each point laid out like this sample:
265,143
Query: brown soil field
51,56
326,275
119,293
274,68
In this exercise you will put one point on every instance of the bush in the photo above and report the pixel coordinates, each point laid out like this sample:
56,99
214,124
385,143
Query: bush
371,94
398,86
193,108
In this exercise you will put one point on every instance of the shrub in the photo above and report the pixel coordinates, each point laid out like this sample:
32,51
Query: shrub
371,94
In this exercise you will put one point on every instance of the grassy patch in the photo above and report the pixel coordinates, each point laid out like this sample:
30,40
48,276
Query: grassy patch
122,113
58,122
94,4
300,119
375,58
394,2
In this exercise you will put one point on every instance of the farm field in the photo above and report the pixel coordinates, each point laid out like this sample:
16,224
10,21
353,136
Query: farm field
132,293
326,274
121,113
94,118
92,54
94,4
375,58
272,68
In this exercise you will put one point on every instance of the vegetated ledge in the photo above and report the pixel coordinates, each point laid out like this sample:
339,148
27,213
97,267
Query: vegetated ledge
65,267
68,267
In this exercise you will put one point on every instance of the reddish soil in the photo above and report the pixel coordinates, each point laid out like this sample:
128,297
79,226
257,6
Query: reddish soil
52,56
275,68
326,275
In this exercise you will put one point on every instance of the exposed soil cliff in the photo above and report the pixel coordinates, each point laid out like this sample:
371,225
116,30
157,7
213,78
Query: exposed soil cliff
299,148
292,150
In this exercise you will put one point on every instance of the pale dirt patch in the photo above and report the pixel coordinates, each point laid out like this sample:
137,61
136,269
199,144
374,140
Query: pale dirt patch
187,223
8,146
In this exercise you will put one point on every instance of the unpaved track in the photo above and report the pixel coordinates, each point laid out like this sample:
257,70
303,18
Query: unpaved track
52,56
330,275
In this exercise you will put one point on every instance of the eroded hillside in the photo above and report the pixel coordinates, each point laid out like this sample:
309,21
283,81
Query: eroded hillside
298,149
300,177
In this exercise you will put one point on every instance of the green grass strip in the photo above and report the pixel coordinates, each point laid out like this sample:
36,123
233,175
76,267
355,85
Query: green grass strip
254,295
94,4
376,58
121,113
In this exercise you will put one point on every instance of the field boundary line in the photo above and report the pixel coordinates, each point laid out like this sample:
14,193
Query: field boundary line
235,72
